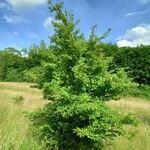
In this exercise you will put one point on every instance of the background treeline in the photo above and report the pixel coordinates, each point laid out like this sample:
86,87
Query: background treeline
135,61
22,65
25,65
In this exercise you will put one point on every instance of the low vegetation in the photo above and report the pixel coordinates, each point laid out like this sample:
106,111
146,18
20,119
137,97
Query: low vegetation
15,131
137,138
15,101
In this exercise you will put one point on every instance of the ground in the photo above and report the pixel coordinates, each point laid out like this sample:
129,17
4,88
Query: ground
17,99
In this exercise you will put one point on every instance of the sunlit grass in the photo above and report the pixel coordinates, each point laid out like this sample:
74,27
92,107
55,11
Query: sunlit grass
14,126
18,98
141,140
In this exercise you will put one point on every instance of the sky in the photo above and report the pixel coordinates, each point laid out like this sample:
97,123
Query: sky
27,22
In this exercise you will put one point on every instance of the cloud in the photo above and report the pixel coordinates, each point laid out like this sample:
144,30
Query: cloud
131,14
4,6
144,12
16,33
22,4
135,36
14,19
48,22
144,1
124,43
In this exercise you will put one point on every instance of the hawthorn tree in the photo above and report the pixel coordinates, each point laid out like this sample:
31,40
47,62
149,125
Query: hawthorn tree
77,81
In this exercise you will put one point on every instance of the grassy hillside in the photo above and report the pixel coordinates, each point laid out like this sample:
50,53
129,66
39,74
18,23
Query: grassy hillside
15,134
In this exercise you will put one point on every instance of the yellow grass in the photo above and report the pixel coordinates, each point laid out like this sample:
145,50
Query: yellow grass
14,126
141,109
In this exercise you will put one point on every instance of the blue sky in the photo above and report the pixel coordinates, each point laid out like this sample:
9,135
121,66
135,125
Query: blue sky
25,22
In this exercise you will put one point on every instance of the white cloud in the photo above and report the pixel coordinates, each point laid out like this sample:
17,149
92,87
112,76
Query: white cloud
131,14
21,4
135,36
4,6
144,1
123,43
143,12
48,22
14,19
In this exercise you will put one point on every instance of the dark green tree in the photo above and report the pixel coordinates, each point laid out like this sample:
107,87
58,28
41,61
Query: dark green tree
12,63
136,62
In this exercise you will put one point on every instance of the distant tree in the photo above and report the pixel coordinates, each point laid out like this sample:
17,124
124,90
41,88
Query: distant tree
16,64
136,62
10,58
109,49
37,54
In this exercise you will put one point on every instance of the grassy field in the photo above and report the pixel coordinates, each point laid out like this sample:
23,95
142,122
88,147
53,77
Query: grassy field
18,98
141,139
15,99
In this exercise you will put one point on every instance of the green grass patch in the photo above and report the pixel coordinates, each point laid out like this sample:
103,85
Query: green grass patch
142,91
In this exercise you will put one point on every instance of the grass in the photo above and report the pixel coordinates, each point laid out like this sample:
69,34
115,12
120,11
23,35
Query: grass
18,98
141,109
15,99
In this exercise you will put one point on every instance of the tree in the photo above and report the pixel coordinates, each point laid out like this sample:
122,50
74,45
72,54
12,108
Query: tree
10,59
136,62
78,83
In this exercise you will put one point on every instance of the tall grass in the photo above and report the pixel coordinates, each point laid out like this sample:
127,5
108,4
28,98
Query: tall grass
15,133
18,98
141,139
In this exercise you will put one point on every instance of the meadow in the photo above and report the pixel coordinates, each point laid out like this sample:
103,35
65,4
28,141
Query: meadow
17,99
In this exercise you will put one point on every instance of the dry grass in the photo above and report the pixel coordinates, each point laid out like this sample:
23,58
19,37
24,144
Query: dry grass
14,126
32,96
131,103
141,109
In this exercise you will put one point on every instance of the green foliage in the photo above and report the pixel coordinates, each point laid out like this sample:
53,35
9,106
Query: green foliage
19,66
19,100
14,75
142,91
130,119
136,62
78,122
110,49
10,59
36,54
32,75
78,81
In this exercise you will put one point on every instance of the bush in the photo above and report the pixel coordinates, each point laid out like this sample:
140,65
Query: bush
32,75
142,91
19,100
14,75
78,122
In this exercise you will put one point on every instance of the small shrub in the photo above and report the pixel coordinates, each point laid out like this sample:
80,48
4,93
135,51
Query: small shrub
130,119
19,100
